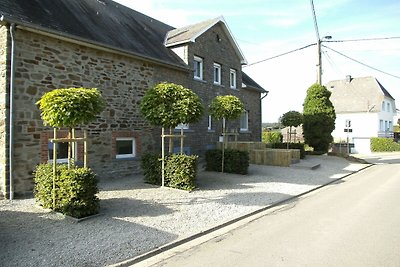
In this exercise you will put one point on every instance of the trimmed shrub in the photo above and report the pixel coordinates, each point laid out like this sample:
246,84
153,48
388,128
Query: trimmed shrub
180,171
381,144
75,193
151,166
236,161
291,146
271,137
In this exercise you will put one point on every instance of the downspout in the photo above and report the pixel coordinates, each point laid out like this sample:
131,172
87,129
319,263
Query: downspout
11,121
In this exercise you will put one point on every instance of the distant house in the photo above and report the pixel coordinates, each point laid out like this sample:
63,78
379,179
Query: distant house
47,44
364,109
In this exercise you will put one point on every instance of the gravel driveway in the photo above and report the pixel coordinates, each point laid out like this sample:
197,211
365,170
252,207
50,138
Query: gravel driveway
137,217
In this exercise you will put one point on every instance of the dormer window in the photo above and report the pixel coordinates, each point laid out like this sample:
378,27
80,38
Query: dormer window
217,73
232,78
198,68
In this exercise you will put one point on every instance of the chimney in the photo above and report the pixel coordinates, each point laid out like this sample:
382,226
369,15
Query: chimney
348,78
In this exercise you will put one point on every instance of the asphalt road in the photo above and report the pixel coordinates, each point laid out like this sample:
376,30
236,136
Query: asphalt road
355,222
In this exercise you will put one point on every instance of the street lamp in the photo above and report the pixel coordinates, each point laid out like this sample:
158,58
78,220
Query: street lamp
319,65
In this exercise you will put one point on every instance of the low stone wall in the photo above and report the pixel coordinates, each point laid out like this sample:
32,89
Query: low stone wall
261,155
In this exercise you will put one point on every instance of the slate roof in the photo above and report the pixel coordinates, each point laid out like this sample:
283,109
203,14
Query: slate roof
101,22
363,94
249,83
190,33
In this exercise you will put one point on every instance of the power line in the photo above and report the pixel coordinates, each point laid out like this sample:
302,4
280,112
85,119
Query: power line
363,39
283,54
315,19
359,62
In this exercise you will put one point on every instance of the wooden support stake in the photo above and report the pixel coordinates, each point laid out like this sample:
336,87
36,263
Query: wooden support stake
54,167
85,148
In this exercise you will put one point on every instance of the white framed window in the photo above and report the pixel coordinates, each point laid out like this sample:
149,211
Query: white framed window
198,68
381,127
232,78
383,106
209,127
217,73
125,147
390,126
244,121
182,126
62,152
388,107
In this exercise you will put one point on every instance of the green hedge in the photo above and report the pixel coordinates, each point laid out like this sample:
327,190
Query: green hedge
299,146
76,190
380,144
151,166
180,170
271,137
236,161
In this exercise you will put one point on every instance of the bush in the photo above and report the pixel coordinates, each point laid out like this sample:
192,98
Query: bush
236,161
271,137
180,170
299,146
380,144
75,193
151,166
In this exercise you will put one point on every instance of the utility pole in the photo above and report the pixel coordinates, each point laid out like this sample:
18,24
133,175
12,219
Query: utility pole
319,65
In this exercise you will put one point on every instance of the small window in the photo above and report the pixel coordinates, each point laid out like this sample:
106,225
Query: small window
125,148
388,107
244,121
381,127
217,73
182,126
62,152
209,123
198,68
383,106
232,78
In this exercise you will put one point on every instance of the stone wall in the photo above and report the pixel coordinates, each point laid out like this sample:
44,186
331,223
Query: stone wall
43,64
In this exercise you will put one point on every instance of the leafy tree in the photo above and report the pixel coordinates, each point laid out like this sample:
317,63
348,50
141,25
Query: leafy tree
291,119
169,104
226,107
70,107
319,118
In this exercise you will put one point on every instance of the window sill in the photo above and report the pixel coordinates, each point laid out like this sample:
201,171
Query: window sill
199,80
211,131
245,131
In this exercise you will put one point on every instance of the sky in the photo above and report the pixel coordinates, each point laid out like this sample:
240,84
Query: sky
267,28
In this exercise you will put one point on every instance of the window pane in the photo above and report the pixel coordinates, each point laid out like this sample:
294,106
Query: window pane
124,147
62,150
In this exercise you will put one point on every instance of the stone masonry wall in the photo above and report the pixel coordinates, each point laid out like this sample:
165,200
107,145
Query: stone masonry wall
44,64
214,47
3,109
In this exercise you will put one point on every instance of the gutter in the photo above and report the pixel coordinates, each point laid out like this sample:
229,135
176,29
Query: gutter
11,118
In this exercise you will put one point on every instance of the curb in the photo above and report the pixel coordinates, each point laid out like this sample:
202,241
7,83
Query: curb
184,240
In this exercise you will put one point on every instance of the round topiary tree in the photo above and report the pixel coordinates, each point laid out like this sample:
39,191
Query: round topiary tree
168,105
227,107
291,119
69,107
319,118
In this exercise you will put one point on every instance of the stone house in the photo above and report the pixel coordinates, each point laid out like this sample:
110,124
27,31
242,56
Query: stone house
364,109
47,44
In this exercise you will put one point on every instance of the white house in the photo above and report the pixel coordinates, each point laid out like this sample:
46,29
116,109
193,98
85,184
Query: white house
364,109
